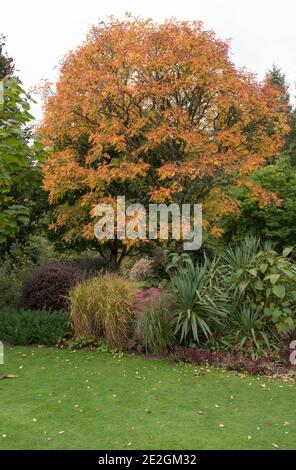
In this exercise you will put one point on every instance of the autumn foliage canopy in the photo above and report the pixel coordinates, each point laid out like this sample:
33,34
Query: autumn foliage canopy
158,113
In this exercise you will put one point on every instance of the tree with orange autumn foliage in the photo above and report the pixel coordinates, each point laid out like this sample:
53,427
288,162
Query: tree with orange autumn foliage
158,113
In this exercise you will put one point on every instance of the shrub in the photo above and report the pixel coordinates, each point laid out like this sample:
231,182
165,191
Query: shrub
142,270
24,327
201,303
90,265
159,257
102,307
264,280
12,277
157,326
48,287
251,333
10,287
177,261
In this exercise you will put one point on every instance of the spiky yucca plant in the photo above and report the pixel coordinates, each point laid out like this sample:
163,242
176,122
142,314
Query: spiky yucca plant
200,301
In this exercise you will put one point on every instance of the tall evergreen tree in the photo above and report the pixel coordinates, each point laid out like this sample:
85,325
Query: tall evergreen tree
6,62
278,78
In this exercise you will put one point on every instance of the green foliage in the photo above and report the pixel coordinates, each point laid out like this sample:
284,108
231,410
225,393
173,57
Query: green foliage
25,327
19,153
277,78
264,279
14,270
201,303
81,342
157,326
244,300
250,331
176,261
10,287
102,307
238,261
17,264
277,223
159,256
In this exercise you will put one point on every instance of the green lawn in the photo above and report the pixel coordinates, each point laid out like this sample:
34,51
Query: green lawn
80,400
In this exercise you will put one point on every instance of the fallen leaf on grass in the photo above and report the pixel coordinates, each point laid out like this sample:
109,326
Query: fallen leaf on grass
8,376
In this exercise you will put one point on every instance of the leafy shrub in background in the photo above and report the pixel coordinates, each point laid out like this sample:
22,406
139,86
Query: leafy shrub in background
264,280
17,265
102,307
12,276
10,286
201,302
90,265
142,270
48,287
36,251
273,222
177,261
24,327
159,258
157,326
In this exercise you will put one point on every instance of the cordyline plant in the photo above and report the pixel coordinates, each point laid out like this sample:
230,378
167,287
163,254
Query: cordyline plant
158,113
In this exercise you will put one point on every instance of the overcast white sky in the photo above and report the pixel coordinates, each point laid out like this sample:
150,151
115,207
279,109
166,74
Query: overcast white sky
40,32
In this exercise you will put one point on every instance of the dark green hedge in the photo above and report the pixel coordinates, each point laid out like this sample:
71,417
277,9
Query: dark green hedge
23,327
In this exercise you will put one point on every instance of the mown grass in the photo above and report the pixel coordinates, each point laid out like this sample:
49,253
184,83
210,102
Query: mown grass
90,400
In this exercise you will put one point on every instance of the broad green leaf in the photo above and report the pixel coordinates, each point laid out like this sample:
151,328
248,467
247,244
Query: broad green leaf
279,291
263,267
253,272
273,278
259,284
287,251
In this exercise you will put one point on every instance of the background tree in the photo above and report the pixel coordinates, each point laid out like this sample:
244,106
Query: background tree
6,62
158,113
20,176
275,221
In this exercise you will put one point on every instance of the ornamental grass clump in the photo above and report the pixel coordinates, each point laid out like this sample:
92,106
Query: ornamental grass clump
102,307
157,326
